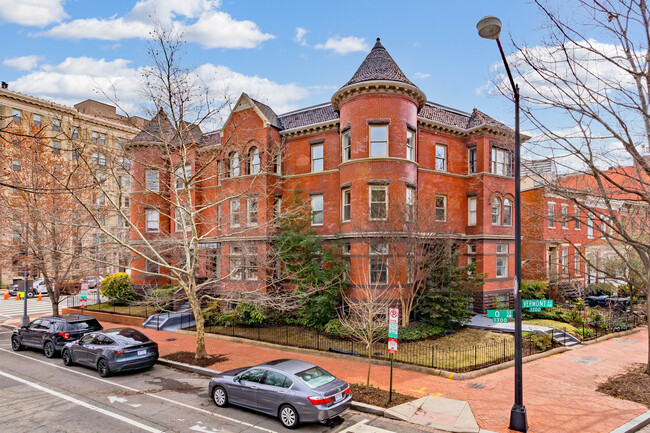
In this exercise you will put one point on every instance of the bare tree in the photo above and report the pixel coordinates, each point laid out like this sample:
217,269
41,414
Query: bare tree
592,73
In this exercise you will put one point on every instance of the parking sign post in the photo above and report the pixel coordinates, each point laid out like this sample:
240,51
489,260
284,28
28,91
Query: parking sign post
393,321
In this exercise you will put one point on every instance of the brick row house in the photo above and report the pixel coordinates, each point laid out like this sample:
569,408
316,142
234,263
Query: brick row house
373,159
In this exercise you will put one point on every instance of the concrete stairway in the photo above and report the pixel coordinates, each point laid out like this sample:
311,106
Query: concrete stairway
562,337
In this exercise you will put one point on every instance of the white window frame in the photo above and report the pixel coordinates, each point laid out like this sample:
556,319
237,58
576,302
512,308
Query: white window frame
150,227
438,159
564,260
472,211
346,146
277,210
576,259
235,214
179,212
371,152
254,161
37,119
410,144
564,215
317,203
179,182
501,163
503,257
410,204
346,205
317,164
372,188
472,162
252,217
444,207
234,165
576,218
590,227
152,180
379,254
495,205
56,125
507,203
550,215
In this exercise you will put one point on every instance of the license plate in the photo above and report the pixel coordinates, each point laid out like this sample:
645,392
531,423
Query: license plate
338,397
142,352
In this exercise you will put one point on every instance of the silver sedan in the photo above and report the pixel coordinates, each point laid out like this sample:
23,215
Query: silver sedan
294,391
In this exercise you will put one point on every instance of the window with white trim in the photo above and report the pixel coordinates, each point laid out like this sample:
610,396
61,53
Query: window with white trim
75,132
152,220
564,216
180,180
378,202
182,220
551,215
277,210
441,208
254,161
441,157
56,125
346,148
564,260
472,162
234,169
471,253
379,140
151,180
346,205
471,211
590,227
317,157
501,162
37,119
316,210
496,211
410,145
378,264
576,217
507,212
95,137
410,204
576,259
16,115
252,211
502,260
234,212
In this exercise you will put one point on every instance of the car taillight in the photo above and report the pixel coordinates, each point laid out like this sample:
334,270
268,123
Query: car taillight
347,391
119,352
65,335
319,400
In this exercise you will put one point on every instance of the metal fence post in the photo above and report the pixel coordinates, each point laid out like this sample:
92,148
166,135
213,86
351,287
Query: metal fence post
474,357
318,339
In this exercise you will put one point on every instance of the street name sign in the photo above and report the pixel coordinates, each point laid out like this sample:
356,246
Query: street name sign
537,303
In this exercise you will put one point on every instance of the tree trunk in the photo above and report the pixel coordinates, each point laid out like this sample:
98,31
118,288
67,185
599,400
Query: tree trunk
369,365
195,305
647,314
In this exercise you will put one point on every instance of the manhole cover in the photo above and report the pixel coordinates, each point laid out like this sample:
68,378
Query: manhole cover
170,339
476,385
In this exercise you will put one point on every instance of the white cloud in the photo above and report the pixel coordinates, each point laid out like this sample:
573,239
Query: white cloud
23,63
32,12
421,75
198,20
79,78
300,36
344,45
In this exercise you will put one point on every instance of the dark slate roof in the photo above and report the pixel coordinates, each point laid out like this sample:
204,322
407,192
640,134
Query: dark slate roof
269,113
158,129
456,118
308,116
378,65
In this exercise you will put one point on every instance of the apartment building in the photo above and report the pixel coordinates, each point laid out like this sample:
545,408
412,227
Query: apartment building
90,131
375,157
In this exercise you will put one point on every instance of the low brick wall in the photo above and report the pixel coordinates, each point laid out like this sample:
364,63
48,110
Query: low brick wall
107,317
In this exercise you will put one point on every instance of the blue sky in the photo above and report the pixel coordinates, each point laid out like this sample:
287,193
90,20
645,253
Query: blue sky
66,50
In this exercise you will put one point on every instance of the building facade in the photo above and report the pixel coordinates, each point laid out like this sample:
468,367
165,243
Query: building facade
370,162
90,130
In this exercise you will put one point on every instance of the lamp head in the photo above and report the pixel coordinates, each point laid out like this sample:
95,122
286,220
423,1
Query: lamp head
489,27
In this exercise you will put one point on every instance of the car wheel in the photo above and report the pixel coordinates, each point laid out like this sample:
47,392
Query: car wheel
102,368
66,356
30,294
219,396
15,344
288,416
49,349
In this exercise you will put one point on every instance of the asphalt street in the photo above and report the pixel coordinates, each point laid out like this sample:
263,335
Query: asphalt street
10,308
41,395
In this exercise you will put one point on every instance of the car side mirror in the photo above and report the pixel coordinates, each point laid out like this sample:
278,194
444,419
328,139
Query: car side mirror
236,379
24,327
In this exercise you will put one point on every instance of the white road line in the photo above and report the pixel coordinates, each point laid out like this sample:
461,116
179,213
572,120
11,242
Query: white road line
82,403
169,400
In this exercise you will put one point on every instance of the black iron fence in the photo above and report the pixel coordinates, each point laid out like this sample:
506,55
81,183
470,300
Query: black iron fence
411,352
104,307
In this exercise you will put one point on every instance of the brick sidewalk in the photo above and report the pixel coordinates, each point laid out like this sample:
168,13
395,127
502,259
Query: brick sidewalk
559,391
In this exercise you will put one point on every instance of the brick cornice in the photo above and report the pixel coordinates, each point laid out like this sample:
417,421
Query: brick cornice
364,87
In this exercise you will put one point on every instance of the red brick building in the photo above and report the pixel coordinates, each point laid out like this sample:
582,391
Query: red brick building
375,157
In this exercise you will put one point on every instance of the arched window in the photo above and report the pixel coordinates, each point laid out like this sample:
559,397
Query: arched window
234,164
254,161
496,211
507,212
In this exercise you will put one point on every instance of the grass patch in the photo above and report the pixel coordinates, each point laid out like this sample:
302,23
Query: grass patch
554,323
376,396
632,385
129,310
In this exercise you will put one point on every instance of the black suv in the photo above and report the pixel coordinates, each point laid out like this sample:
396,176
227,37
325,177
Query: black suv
52,333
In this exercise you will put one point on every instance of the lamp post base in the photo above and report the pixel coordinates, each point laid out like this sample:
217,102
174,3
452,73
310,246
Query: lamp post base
24,320
518,420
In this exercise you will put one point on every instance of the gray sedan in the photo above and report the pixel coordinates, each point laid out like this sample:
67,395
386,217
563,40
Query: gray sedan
294,391
112,350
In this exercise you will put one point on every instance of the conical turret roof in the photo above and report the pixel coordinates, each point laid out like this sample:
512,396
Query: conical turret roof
379,66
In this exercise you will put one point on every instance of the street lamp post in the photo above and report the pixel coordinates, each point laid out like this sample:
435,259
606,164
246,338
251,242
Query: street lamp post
490,28
24,320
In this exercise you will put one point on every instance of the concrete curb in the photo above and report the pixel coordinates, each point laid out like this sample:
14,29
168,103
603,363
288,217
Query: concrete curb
367,408
187,367
614,335
420,369
635,425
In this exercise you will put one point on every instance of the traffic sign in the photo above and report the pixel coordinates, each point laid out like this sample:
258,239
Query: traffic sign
534,309
392,346
537,303
508,314
393,315
392,330
499,320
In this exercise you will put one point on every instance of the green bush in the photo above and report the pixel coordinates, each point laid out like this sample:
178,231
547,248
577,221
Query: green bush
540,341
586,333
249,313
600,289
534,289
118,289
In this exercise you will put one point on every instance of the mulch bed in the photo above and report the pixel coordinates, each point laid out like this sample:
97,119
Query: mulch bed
376,396
188,358
632,385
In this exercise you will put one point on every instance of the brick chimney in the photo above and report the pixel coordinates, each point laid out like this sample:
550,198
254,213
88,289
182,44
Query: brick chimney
5,85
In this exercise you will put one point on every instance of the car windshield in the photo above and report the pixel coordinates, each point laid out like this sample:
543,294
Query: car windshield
315,377
127,336
86,324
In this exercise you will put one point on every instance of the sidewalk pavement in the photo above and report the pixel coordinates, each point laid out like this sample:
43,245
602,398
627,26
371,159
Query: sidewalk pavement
559,390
